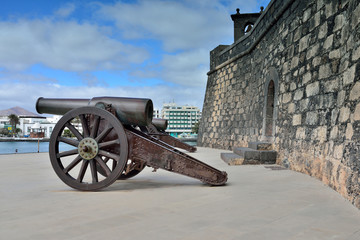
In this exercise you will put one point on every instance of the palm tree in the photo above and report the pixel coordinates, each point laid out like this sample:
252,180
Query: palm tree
14,120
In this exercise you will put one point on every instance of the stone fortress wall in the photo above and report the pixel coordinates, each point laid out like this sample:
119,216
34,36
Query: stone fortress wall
293,80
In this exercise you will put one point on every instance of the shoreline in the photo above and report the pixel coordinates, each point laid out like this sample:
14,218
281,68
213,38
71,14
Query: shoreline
11,139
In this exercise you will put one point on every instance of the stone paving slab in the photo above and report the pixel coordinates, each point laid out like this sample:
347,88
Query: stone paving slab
257,203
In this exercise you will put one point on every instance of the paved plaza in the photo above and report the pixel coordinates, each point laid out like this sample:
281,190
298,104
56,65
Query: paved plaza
257,203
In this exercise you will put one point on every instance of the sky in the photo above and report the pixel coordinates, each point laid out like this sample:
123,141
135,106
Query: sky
157,49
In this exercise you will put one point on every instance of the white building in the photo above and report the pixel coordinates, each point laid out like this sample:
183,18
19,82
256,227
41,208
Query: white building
30,124
181,119
156,113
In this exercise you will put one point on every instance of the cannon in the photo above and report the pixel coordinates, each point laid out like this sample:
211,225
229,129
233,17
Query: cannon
98,141
157,129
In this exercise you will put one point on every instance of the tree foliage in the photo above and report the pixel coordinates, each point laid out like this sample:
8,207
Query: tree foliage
14,120
195,128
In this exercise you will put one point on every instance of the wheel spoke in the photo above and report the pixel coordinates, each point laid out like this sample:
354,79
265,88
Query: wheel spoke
103,134
74,130
84,125
114,163
67,153
95,127
72,164
82,171
93,171
109,143
103,165
109,154
69,141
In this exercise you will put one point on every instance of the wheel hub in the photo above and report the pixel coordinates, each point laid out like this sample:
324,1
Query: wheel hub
88,148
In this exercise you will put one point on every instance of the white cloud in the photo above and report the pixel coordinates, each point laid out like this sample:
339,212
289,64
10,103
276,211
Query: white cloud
67,46
25,95
186,30
187,68
66,10
179,25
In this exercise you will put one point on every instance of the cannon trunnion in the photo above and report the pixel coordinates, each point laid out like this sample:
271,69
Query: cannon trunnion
98,141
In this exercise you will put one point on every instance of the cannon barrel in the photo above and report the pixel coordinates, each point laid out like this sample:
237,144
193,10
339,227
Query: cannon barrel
130,111
160,124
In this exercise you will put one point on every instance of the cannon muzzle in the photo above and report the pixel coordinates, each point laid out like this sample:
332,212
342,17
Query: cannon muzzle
160,124
130,111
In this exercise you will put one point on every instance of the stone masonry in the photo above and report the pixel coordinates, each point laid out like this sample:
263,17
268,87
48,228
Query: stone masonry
294,81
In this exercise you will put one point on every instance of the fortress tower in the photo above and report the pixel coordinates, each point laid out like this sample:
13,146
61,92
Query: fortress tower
292,80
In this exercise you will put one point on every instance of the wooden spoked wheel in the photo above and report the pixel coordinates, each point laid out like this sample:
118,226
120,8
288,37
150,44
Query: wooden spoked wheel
131,169
79,144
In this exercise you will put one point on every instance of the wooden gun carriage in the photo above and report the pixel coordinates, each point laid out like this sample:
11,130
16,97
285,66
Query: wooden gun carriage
103,139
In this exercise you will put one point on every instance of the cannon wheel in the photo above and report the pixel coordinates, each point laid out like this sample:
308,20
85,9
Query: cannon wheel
100,136
132,173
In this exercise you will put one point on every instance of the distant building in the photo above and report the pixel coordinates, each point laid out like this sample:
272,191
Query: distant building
156,113
31,126
181,119
36,126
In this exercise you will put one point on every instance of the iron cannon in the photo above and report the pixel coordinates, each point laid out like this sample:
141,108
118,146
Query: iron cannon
100,140
157,129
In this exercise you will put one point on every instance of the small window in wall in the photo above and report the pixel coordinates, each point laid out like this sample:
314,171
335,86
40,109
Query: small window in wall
248,28
269,115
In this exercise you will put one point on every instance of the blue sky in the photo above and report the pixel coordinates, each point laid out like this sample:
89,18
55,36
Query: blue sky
156,49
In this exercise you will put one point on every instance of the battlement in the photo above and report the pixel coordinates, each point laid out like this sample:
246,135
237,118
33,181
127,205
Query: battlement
245,43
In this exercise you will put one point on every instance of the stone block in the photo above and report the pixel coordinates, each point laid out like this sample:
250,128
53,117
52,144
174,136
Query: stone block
334,54
311,118
334,132
339,22
313,51
306,15
315,21
306,78
323,30
260,145
331,86
329,9
294,62
328,42
356,116
325,71
298,94
232,159
340,98
296,120
321,134
355,17
355,92
338,151
356,54
344,114
286,97
349,131
304,43
300,133
349,75
291,108
312,89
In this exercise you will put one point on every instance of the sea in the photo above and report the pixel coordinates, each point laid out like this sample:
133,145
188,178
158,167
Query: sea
29,147
34,147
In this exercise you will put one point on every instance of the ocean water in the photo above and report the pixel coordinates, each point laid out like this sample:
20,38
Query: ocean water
33,147
28,147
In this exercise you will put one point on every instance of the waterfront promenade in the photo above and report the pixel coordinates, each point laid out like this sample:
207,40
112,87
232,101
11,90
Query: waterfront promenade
257,203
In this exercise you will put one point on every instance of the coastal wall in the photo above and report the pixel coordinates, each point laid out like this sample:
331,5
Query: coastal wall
293,80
